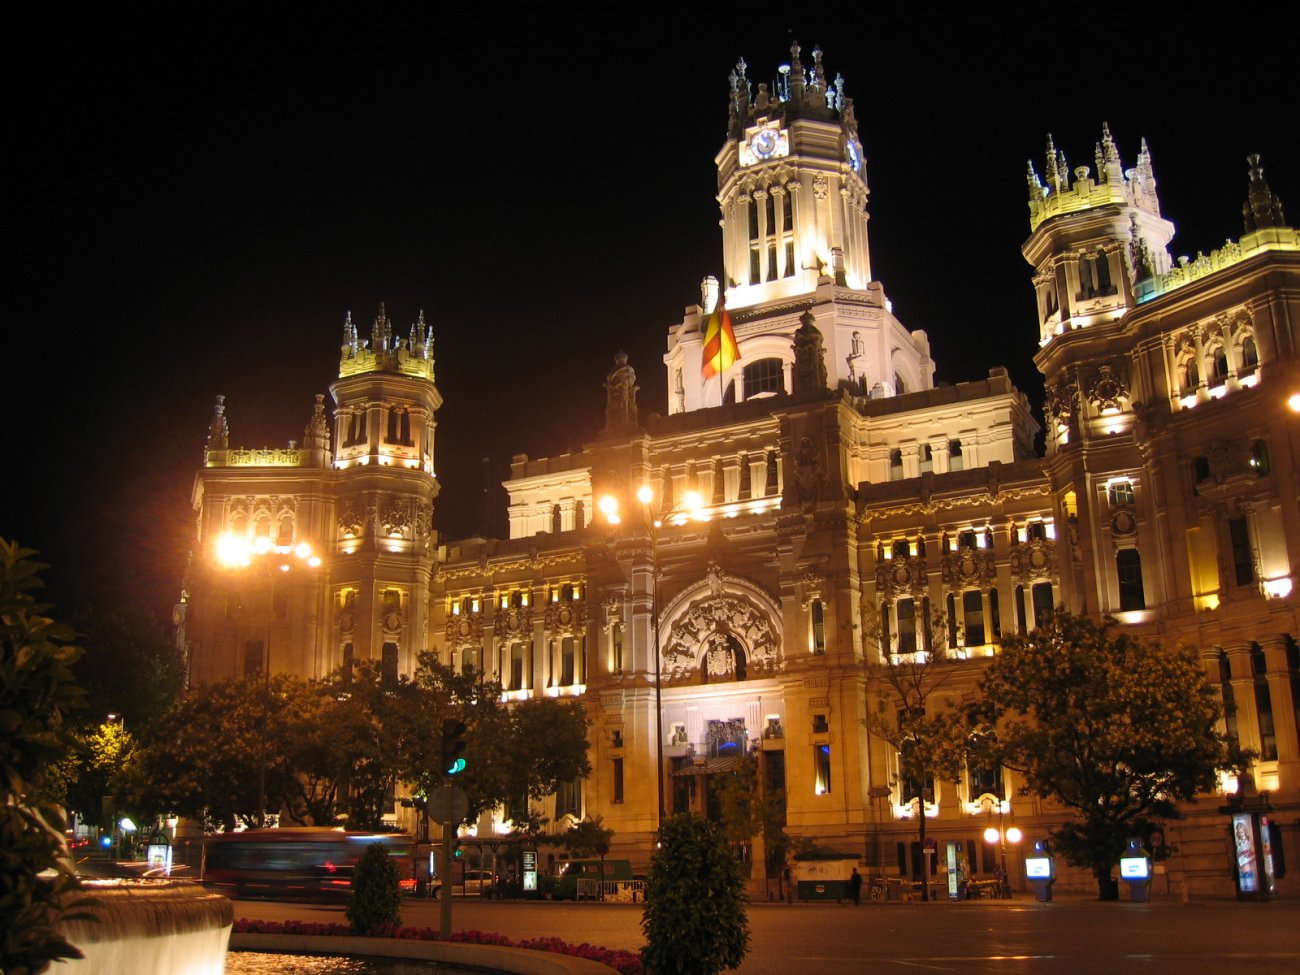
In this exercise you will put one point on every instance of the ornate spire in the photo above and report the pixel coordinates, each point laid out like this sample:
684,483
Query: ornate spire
349,336
1062,169
1109,168
381,333
1035,185
218,429
317,434
818,72
797,78
1051,171
1262,207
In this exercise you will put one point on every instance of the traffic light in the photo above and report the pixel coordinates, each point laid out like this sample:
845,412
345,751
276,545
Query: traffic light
453,744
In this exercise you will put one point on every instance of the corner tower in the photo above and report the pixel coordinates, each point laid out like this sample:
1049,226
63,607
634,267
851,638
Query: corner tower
792,190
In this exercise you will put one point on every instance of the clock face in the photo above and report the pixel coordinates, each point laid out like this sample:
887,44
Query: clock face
764,144
855,160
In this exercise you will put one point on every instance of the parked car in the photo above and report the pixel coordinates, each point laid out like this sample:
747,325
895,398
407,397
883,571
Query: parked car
472,884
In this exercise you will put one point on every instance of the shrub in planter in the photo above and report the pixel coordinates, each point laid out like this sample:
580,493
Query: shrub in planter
694,918
375,902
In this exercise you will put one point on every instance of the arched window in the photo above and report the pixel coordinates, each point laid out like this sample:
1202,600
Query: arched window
1249,356
817,619
1101,264
899,386
766,377
895,465
902,549
1128,568
1191,376
1220,364
927,458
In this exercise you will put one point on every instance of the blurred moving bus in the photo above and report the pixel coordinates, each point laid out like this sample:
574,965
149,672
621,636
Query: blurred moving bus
308,862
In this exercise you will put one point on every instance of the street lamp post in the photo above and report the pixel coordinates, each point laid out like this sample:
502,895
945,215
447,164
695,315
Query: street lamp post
998,834
264,558
653,518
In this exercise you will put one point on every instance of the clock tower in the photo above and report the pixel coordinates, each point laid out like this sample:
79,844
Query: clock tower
792,186
792,189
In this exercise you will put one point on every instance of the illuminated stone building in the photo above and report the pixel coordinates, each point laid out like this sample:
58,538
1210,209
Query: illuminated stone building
720,580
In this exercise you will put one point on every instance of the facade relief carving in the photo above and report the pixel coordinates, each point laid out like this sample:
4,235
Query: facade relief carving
968,567
1034,559
722,629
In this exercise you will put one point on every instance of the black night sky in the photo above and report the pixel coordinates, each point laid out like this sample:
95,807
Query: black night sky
194,204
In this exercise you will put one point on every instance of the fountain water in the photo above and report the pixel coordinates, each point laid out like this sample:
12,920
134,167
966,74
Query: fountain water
151,927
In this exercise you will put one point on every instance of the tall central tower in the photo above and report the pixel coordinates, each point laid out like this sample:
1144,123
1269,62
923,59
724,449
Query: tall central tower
792,188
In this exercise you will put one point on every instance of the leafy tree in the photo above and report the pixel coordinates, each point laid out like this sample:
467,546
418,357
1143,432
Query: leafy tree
375,901
131,666
694,918
590,837
37,691
102,765
931,740
747,811
1116,729
203,758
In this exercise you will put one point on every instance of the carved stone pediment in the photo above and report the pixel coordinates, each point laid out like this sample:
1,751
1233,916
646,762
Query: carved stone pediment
465,629
514,622
1035,559
901,575
968,567
566,617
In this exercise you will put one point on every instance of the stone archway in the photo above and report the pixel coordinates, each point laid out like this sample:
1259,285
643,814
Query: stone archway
724,628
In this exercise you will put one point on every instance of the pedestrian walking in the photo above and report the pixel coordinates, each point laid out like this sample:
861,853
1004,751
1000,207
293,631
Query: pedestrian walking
855,887
788,883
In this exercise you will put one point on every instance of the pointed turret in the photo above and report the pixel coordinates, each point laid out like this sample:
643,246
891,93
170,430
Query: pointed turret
218,428
1262,207
1109,168
1051,171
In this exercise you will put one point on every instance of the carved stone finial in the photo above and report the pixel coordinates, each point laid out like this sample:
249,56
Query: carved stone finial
317,434
218,429
620,396
1262,207
709,292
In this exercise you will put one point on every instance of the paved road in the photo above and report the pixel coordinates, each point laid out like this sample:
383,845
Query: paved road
1020,937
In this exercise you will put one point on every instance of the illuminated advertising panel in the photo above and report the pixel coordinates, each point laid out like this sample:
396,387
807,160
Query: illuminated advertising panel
1038,868
1266,847
1243,839
1134,868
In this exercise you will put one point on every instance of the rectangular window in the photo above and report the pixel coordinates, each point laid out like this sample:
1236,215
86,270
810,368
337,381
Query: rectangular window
1243,560
773,772
1021,618
388,664
568,799
906,626
616,648
254,652
567,658
1042,602
822,769
1264,706
818,614
972,604
1121,493
618,780
1128,567
516,681
349,661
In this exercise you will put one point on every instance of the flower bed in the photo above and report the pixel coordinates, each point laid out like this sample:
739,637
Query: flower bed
626,962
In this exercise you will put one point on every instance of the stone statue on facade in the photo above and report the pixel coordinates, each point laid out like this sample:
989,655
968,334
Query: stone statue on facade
620,395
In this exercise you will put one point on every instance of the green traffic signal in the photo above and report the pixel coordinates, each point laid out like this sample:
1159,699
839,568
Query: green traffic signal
453,744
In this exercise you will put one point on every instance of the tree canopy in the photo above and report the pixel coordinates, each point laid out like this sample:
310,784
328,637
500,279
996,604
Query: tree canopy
37,693
1116,729
336,749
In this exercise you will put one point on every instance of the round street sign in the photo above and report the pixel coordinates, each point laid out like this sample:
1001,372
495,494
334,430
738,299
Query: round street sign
1157,839
449,805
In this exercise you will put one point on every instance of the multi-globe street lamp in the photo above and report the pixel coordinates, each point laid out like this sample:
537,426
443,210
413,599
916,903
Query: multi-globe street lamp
262,557
654,517
1002,836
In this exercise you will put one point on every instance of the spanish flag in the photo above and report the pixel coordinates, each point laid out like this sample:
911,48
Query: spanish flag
720,350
